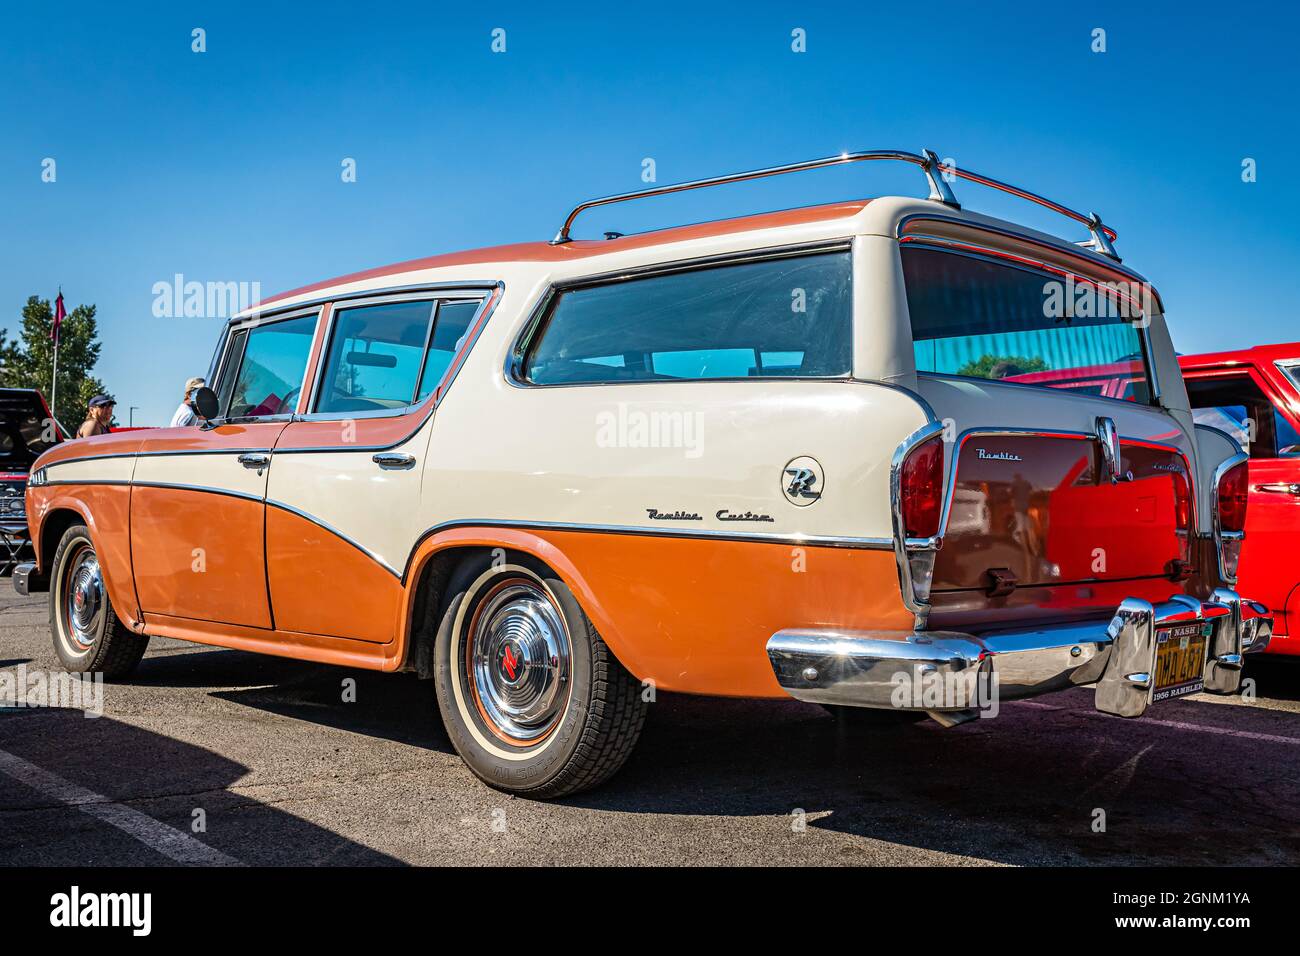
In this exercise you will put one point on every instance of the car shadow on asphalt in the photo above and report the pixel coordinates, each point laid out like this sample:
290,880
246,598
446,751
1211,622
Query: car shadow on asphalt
171,781
395,707
1047,782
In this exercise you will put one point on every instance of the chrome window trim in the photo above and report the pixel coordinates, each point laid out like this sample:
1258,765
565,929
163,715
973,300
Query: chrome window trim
514,363
1065,247
318,380
998,257
488,297
251,323
337,297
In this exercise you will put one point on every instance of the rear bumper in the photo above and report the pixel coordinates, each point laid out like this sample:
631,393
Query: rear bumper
914,670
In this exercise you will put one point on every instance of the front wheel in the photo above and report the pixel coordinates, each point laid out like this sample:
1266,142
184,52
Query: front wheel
88,635
533,700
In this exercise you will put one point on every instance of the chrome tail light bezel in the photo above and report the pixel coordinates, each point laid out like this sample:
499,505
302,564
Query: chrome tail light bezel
1227,544
915,556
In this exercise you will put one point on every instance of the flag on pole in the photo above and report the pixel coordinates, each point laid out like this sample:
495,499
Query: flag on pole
59,315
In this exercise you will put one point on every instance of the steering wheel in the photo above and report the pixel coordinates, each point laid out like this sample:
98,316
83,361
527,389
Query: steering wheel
289,402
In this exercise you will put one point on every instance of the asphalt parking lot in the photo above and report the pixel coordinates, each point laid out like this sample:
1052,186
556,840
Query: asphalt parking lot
280,770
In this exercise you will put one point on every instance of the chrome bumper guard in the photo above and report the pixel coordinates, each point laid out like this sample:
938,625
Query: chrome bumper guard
28,581
868,668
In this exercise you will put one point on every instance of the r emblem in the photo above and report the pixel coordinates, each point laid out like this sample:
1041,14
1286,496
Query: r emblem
802,481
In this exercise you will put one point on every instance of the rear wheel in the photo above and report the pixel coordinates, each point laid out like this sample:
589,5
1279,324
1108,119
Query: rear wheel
88,635
533,700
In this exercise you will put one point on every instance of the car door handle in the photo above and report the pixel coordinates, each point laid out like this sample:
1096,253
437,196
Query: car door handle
1283,488
254,459
390,459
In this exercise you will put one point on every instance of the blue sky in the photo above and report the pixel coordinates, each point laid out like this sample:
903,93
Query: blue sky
225,165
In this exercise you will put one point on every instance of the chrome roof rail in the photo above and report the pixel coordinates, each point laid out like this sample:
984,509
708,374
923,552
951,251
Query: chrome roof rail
937,173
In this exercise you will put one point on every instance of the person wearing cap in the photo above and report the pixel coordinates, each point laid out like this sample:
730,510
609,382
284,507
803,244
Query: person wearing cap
98,417
187,414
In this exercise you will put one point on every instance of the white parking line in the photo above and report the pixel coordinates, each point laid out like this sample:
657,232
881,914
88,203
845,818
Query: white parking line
1181,725
154,834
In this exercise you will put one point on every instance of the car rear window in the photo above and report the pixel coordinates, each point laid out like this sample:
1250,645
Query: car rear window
776,318
978,318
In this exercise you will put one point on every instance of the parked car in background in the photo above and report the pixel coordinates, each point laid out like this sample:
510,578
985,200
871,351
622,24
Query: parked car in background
26,430
1254,395
772,456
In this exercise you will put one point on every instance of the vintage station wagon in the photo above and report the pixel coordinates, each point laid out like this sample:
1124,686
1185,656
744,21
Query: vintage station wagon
784,455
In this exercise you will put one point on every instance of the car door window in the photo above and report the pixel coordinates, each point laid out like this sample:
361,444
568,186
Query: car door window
449,330
375,357
1237,405
270,368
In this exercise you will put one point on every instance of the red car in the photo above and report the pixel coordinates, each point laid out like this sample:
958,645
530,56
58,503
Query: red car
1254,395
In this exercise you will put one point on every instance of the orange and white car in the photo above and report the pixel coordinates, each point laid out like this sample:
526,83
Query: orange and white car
770,456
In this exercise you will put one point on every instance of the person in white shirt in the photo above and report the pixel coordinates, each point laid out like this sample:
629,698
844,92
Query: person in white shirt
186,415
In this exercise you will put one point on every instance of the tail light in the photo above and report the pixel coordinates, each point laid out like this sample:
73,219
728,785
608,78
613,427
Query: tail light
1234,487
921,489
1182,502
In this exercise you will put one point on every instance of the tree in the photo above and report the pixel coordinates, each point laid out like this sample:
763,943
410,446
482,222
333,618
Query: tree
28,361
1002,366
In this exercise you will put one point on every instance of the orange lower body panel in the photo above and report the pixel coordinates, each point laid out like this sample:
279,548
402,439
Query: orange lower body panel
695,615
321,584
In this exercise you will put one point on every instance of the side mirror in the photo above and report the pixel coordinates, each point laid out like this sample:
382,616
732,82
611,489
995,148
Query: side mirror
205,403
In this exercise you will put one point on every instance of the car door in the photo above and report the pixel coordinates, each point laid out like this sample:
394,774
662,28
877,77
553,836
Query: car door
1246,404
198,494
344,491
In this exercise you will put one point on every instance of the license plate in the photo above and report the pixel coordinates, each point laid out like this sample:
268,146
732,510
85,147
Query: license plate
1180,660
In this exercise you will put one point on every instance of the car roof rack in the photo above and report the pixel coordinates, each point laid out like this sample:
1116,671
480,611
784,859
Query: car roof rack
937,173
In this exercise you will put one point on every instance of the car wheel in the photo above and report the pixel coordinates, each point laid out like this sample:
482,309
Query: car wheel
533,700
88,635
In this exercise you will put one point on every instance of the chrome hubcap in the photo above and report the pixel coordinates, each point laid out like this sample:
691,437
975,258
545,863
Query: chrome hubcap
84,598
519,660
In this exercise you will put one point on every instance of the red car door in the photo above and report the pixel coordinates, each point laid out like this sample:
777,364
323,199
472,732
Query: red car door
1250,406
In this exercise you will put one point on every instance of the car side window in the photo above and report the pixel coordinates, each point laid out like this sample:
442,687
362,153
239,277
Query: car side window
1237,405
375,357
788,317
449,330
272,363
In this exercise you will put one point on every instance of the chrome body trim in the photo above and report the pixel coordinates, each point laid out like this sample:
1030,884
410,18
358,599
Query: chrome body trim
865,668
1225,541
814,541
906,548
1053,433
273,503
